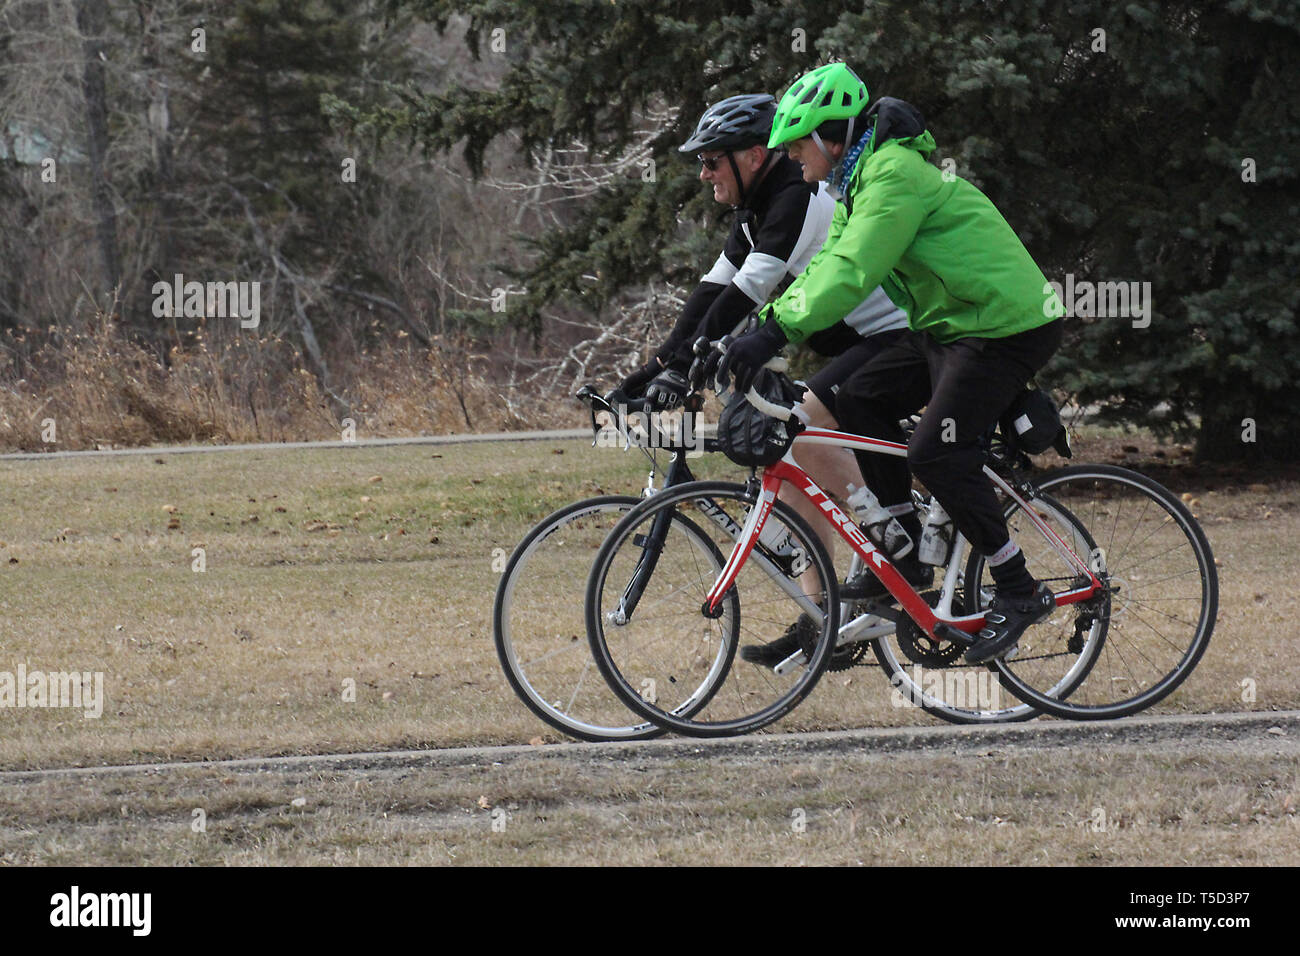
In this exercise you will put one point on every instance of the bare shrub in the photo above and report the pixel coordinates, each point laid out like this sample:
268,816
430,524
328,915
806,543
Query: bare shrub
102,389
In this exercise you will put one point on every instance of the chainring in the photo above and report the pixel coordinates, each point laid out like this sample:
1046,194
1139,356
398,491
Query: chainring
842,658
850,655
920,647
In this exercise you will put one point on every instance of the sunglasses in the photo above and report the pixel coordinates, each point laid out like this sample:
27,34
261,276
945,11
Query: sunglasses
711,162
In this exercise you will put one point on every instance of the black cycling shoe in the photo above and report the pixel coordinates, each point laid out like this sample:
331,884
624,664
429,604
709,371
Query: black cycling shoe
769,655
867,587
1007,619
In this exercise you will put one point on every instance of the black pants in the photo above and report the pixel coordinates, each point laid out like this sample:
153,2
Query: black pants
825,384
965,387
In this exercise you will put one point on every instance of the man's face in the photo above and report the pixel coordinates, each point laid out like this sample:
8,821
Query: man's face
721,177
806,154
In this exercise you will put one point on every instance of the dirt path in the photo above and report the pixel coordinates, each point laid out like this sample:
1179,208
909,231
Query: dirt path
1168,790
1233,730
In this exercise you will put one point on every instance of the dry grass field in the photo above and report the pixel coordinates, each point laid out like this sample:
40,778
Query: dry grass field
344,604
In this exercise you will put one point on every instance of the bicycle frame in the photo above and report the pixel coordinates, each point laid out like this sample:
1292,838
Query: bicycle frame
653,544
938,623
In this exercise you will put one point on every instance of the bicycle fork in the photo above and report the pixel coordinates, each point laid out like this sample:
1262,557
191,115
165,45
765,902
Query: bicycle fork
651,545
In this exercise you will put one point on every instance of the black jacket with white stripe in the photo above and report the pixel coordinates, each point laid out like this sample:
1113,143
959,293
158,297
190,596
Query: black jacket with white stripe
773,237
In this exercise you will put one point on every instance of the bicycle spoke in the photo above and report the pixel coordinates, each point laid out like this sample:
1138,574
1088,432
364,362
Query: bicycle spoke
1147,635
660,648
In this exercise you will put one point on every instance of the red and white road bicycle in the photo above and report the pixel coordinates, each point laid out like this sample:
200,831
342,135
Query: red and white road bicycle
1134,579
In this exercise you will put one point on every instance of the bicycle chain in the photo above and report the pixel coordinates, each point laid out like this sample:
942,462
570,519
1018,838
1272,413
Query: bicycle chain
918,646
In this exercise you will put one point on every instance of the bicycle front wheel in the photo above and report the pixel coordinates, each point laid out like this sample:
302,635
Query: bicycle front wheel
539,628
659,649
1143,636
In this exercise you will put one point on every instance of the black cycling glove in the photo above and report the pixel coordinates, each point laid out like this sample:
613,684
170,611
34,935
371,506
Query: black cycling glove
750,352
667,390
633,385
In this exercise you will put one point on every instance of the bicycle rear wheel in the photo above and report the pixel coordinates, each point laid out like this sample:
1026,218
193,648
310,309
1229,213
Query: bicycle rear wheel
539,627
1146,633
931,674
662,654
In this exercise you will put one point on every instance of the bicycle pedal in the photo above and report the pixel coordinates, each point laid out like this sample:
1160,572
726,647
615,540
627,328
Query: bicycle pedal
946,632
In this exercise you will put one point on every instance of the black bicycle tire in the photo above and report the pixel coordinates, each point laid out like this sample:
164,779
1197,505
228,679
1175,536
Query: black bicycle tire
1205,626
580,730
682,724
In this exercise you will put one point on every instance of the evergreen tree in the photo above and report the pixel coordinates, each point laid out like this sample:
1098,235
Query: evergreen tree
1149,142
259,128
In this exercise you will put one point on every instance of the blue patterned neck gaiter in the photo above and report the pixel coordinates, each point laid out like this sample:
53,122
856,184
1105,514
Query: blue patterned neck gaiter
840,176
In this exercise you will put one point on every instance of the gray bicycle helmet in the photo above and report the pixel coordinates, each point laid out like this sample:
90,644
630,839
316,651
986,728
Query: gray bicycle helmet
737,122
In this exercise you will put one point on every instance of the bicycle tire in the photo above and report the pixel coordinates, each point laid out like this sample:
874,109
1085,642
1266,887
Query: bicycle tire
654,649
1145,585
947,687
1054,656
538,654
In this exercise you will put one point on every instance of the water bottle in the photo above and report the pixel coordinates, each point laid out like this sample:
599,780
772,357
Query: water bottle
878,524
936,536
776,537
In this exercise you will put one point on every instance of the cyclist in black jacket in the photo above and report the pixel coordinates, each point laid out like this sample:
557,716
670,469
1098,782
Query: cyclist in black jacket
780,224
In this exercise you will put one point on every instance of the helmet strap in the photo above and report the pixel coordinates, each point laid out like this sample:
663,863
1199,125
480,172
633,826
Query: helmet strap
735,171
835,171
825,152
740,183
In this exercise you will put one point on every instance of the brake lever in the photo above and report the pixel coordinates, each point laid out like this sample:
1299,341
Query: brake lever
721,346
695,376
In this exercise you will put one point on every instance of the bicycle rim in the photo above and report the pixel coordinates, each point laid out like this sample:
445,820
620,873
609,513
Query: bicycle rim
1053,657
662,658
539,628
1157,616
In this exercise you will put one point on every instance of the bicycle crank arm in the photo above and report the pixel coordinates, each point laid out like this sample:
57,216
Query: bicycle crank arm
790,664
865,628
946,632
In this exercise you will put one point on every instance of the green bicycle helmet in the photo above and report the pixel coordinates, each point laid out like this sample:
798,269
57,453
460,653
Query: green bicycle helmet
830,92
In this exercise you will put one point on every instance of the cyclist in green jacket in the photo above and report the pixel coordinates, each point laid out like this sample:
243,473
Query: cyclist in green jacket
981,322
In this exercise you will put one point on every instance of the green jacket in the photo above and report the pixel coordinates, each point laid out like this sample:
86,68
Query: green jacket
938,246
